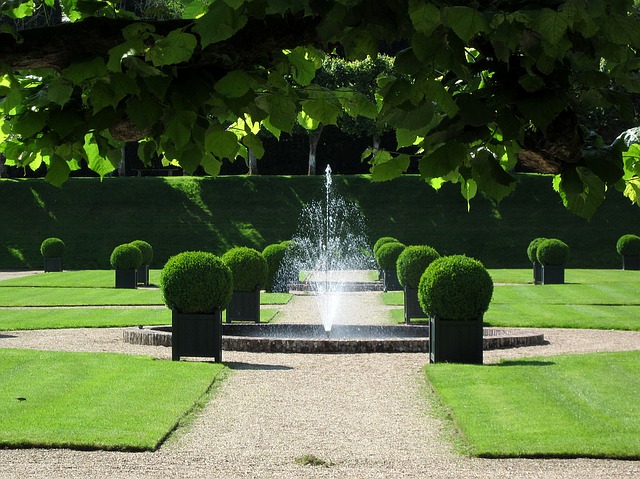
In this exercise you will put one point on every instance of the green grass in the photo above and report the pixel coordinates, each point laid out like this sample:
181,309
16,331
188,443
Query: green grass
592,299
215,214
60,318
561,406
42,296
96,401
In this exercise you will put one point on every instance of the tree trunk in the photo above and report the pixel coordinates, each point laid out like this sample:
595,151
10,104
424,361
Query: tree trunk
376,141
314,138
2,160
253,162
122,166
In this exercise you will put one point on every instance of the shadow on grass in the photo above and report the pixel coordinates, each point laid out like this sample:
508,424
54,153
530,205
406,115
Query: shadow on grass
526,363
257,367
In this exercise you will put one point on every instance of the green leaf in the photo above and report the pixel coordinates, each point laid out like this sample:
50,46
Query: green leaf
235,84
425,17
78,73
143,111
605,162
466,22
220,142
491,177
29,123
254,143
211,165
473,111
552,25
117,54
408,116
435,91
306,122
175,48
95,160
581,191
406,138
632,190
304,68
542,108
386,167
59,91
322,110
190,158
443,161
58,171
281,109
179,126
468,189
221,22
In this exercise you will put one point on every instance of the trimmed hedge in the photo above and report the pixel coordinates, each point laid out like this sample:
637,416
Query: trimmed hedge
274,255
381,241
553,252
196,282
412,263
387,255
249,268
628,245
52,248
126,256
146,250
455,288
532,249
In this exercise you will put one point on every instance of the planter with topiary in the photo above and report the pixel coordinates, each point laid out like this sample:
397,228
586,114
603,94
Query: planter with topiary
196,286
628,246
411,264
386,257
249,270
376,246
532,251
142,274
126,260
455,292
274,254
52,250
553,254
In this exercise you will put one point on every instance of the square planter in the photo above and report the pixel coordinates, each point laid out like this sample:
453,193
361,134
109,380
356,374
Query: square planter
390,278
126,279
142,275
412,307
631,263
455,341
552,274
53,265
196,335
537,273
244,306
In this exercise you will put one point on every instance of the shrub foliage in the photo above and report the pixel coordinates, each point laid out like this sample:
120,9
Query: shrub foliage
381,241
126,256
196,282
412,263
52,248
146,249
249,268
628,245
532,249
387,255
274,255
553,252
455,288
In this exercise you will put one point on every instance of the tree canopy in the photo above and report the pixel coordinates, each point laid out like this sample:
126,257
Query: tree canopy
478,86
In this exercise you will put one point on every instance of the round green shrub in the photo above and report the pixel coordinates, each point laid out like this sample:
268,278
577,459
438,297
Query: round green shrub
628,245
381,241
126,256
532,249
52,248
249,268
553,252
455,288
274,255
412,262
196,282
146,250
387,255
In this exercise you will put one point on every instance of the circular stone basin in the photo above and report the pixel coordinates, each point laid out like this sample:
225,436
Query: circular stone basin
312,338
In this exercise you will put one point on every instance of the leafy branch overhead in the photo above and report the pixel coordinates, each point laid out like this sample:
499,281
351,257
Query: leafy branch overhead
476,88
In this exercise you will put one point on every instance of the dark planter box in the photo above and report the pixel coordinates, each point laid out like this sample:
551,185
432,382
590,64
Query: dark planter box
390,278
537,273
412,307
455,341
244,306
53,265
126,278
196,335
631,263
142,275
552,274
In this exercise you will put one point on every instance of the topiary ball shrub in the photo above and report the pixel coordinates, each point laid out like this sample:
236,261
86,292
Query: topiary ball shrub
146,250
412,263
532,249
387,255
274,255
52,248
628,245
249,268
196,282
126,257
455,288
381,241
553,252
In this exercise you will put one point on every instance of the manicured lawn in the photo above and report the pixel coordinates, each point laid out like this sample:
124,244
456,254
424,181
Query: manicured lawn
58,318
560,406
593,299
96,401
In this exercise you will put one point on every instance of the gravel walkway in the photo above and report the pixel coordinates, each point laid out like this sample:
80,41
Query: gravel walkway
366,414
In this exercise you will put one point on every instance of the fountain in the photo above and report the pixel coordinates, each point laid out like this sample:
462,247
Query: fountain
330,242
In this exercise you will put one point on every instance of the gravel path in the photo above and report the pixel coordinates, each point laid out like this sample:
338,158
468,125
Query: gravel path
366,414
